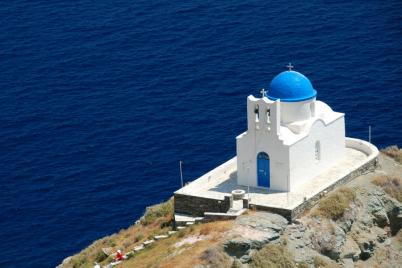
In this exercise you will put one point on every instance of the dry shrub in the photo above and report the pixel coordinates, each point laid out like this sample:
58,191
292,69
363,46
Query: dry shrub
272,256
393,152
127,243
391,185
320,262
205,229
216,258
334,205
302,264
181,233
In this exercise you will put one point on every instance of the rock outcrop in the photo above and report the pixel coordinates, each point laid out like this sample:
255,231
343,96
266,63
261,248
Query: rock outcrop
252,232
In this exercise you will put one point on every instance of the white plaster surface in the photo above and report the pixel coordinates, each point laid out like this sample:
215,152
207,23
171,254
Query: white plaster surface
288,132
219,182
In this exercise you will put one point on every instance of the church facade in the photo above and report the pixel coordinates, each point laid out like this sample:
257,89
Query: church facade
291,137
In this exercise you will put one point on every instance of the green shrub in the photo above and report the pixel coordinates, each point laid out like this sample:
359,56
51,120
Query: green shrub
272,256
333,206
153,213
100,256
78,261
110,242
138,237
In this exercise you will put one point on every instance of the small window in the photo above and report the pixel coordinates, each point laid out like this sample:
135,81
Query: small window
257,113
317,151
268,116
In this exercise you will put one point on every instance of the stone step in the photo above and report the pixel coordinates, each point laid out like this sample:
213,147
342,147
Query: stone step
181,227
182,219
231,214
172,232
138,248
148,242
189,223
232,211
159,237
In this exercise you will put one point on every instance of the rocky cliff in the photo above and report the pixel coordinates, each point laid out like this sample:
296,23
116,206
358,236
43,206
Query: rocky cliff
357,225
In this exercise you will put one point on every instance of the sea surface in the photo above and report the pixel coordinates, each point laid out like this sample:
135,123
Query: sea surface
100,100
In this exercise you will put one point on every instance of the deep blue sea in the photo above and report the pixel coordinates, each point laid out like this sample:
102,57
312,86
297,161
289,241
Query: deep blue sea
99,100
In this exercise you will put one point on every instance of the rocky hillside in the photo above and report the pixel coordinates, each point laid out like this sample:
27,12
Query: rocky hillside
357,225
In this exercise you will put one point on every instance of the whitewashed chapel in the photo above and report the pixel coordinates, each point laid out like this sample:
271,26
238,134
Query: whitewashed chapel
294,149
291,137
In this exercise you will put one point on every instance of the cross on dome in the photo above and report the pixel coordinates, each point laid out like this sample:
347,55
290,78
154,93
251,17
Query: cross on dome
290,66
263,93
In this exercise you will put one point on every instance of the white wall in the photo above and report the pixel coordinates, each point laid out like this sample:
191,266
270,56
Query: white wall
296,111
262,136
303,164
292,153
363,146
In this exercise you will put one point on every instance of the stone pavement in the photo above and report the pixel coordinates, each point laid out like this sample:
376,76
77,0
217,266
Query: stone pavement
219,182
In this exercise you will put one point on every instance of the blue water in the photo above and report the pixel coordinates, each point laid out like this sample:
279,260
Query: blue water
99,100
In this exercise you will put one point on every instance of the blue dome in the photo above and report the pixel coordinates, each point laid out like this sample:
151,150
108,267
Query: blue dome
291,86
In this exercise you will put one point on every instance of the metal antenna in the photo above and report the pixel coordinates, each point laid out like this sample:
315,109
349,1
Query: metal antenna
369,133
290,66
181,173
248,196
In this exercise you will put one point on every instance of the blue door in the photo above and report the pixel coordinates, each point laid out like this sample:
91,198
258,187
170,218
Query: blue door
263,170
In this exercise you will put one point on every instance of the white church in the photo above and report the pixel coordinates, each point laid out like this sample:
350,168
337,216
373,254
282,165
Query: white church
294,150
291,137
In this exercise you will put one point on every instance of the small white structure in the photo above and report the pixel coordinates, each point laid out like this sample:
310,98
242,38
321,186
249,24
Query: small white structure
291,137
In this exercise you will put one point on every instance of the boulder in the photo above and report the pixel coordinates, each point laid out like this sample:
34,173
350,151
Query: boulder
367,249
375,204
350,250
328,239
346,225
380,218
297,221
395,218
348,263
239,248
385,210
263,221
379,234
252,232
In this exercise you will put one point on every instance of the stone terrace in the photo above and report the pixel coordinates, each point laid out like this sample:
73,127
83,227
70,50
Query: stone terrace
212,191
